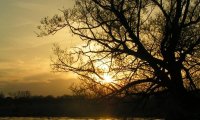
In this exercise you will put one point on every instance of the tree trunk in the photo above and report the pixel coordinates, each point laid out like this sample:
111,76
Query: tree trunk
179,102
182,104
183,108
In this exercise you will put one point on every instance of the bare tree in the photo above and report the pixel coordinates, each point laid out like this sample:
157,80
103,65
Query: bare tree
145,46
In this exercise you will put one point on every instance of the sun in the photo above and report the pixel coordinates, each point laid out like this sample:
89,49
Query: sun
107,78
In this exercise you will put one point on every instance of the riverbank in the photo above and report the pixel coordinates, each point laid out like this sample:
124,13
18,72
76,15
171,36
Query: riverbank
153,106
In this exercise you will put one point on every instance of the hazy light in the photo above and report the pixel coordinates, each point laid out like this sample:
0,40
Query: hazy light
107,78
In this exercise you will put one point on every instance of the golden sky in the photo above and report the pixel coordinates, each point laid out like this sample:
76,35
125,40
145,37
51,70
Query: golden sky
25,58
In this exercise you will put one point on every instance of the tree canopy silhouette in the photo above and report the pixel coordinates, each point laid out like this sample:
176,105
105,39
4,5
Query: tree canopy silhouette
145,46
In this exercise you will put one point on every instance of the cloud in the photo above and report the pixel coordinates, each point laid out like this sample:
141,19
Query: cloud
24,58
56,87
34,75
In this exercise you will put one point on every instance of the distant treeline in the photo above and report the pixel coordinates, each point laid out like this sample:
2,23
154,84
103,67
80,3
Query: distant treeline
24,104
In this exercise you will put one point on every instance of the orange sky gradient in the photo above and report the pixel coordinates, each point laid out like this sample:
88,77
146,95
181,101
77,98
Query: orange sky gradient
25,58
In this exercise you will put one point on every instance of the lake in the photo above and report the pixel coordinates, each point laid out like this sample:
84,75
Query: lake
68,118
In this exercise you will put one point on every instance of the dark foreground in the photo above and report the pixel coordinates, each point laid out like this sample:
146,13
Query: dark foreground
154,106
73,118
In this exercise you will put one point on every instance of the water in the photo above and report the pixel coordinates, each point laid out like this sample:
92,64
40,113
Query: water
67,118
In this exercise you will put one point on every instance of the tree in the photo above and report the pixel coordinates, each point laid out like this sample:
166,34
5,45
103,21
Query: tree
146,46
2,95
20,94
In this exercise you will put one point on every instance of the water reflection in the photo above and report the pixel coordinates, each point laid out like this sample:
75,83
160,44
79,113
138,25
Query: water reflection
67,118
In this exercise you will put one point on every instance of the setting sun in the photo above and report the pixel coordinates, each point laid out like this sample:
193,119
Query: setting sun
107,78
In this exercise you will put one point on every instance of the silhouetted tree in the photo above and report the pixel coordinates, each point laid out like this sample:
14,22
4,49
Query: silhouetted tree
2,95
20,94
144,45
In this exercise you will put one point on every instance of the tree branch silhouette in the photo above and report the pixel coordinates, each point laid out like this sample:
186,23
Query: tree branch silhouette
145,45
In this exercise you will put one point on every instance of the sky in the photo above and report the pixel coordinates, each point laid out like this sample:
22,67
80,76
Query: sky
24,57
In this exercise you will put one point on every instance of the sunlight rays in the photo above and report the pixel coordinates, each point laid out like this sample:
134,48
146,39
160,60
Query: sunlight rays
107,79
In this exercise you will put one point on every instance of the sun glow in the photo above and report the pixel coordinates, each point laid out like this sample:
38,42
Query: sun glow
107,78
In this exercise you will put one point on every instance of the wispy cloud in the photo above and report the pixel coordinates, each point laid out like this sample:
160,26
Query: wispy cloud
24,58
